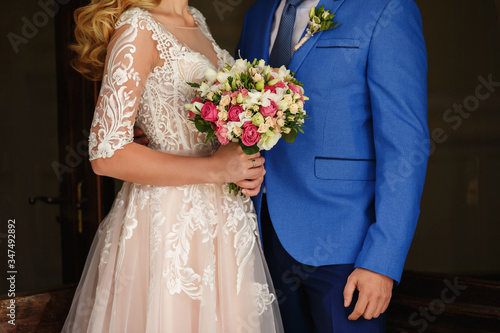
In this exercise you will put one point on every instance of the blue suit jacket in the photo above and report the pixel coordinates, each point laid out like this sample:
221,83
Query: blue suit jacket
349,189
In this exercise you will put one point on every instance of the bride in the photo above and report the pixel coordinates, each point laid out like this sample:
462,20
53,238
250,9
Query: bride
177,253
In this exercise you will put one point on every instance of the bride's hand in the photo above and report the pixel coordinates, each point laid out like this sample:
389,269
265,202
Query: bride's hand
232,165
251,187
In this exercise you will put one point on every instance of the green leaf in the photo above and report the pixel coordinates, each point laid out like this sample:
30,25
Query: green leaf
203,126
194,85
249,150
290,137
210,134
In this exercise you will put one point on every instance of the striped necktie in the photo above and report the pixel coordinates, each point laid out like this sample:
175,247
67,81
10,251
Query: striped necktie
281,53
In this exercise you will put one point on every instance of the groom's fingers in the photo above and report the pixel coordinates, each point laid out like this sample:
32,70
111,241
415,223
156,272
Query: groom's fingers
349,289
360,307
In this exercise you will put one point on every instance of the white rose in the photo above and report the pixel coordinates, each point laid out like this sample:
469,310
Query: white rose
223,115
300,105
294,108
280,122
288,98
225,100
237,131
269,121
263,128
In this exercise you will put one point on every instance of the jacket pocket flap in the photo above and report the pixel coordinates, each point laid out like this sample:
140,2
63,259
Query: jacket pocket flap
338,43
344,169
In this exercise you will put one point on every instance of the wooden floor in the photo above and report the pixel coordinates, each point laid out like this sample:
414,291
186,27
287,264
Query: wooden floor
422,303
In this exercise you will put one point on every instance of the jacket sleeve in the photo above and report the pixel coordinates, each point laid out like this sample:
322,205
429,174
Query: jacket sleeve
397,81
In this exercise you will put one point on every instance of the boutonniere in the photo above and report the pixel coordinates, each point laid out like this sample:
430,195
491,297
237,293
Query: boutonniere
319,20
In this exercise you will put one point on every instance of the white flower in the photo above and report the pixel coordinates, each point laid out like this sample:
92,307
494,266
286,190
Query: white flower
222,77
286,130
268,140
280,122
210,95
240,65
300,105
288,98
210,75
204,89
256,97
283,72
294,108
192,107
282,105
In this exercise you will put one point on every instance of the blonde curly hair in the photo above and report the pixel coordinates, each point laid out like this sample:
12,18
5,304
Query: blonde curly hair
94,27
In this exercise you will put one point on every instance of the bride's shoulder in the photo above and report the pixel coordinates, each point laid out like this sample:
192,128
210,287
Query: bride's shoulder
132,16
196,14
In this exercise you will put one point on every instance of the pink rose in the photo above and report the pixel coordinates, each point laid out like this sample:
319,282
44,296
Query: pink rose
221,132
279,84
250,135
269,111
295,88
196,99
270,88
209,112
234,111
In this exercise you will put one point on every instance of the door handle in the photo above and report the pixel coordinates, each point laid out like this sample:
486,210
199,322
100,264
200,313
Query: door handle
47,200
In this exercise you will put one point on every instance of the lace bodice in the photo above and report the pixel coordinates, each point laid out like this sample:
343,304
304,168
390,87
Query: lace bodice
144,83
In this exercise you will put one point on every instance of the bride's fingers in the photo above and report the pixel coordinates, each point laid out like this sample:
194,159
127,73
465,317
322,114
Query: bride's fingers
257,162
250,183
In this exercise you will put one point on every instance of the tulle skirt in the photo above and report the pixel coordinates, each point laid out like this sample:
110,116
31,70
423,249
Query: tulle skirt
176,259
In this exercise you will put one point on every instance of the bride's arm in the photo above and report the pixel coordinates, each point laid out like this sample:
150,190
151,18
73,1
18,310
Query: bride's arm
132,54
139,164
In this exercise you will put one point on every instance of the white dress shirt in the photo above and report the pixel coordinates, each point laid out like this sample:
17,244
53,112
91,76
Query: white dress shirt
301,20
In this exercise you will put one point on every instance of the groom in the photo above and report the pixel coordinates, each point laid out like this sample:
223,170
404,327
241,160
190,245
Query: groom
342,202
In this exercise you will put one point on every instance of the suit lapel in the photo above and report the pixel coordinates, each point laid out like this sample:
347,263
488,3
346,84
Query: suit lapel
300,54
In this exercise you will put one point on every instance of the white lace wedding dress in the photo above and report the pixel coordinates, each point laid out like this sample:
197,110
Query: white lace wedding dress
167,259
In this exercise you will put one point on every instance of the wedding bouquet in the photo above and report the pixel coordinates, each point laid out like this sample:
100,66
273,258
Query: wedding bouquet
250,103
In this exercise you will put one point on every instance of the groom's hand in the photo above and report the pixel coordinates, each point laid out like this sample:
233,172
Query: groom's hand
139,137
375,291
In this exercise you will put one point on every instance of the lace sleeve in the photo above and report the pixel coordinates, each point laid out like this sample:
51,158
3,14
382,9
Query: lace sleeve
131,56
